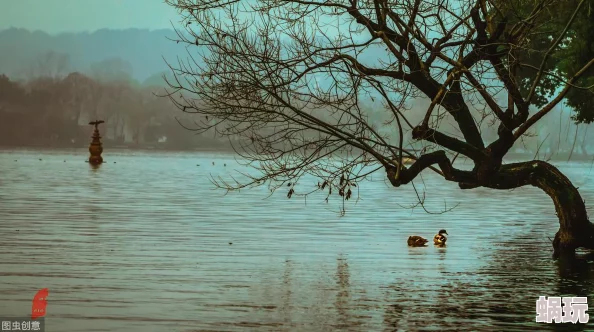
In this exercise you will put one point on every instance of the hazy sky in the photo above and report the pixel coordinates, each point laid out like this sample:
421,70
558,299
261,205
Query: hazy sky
55,16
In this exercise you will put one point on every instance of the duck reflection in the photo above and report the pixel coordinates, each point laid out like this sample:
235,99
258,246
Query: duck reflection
417,252
441,256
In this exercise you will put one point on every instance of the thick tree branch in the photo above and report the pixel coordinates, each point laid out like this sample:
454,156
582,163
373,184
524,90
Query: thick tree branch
575,229
455,104
450,173
450,143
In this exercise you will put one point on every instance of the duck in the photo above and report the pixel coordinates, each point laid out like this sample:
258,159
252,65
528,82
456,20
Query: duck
416,241
440,239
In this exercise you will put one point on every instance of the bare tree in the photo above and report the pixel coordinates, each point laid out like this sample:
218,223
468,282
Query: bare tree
289,78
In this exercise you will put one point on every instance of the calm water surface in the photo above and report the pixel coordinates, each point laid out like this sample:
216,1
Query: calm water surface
143,244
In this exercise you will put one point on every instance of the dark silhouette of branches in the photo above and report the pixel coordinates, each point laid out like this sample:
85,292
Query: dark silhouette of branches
290,78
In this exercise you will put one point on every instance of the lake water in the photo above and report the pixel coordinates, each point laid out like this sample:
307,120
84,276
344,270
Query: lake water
143,244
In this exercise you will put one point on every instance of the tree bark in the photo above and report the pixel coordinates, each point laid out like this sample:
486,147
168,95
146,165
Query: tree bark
575,230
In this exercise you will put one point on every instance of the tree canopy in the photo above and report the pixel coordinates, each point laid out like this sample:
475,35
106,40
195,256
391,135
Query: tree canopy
575,49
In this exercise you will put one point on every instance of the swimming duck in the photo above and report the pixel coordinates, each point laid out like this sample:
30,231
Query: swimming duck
416,241
440,239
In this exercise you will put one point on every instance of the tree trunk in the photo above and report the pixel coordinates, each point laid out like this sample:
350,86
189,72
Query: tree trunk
575,230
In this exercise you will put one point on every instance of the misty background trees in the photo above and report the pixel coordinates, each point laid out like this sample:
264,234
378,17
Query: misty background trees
52,86
128,66
55,111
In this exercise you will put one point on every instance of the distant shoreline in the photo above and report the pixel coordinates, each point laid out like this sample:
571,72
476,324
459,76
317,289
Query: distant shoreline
228,150
107,148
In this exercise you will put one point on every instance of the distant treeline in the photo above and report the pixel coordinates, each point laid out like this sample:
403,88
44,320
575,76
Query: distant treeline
56,84
55,111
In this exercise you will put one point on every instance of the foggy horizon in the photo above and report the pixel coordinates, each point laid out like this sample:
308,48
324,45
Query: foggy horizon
85,31
106,14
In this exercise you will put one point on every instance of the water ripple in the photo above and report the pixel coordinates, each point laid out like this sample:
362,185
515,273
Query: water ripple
146,245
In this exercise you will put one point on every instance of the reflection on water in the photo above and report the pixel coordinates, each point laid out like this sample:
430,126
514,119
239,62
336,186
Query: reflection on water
144,245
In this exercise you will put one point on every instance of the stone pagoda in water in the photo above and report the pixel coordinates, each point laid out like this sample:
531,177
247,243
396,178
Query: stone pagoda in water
96,148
